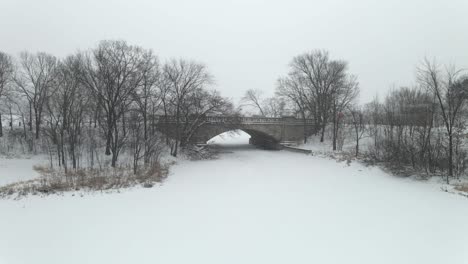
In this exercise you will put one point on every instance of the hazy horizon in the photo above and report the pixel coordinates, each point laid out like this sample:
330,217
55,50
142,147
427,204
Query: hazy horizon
249,44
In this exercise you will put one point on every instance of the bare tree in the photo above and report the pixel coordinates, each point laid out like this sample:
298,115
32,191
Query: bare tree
148,99
292,89
274,107
253,98
66,109
35,80
183,78
201,104
359,125
136,141
408,129
450,91
112,73
342,96
7,71
323,85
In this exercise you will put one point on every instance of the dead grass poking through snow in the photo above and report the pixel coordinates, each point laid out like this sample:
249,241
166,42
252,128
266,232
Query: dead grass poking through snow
57,181
462,187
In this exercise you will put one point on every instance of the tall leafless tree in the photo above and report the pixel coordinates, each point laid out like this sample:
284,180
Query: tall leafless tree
291,88
359,125
451,92
66,108
321,85
112,72
36,79
342,96
148,99
183,78
254,98
7,71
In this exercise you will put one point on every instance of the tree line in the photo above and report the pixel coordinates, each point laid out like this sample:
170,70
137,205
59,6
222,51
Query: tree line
422,127
316,87
109,99
104,100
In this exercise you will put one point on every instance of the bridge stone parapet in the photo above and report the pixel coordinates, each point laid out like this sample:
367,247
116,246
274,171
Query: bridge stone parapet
264,131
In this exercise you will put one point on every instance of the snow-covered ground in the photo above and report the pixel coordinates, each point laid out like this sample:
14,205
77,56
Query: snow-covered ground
349,143
19,169
249,206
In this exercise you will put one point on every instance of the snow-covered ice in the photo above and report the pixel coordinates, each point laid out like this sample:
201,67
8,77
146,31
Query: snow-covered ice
18,169
249,206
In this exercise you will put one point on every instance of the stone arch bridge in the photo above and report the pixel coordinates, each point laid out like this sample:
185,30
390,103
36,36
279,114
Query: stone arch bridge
265,132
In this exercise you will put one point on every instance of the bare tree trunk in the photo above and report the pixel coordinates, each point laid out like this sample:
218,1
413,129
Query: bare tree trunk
38,124
97,116
304,121
145,137
73,155
115,146
109,134
59,153
123,123
175,148
11,119
178,134
323,132
25,133
166,126
1,126
62,150
135,165
450,161
114,160
30,117
335,128
357,143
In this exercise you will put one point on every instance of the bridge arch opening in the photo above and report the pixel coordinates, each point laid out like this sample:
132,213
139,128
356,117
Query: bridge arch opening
244,137
232,137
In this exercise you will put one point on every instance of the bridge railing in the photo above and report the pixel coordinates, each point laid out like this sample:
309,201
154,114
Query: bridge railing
237,120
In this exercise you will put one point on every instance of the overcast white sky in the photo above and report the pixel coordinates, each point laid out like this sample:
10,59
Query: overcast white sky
249,43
